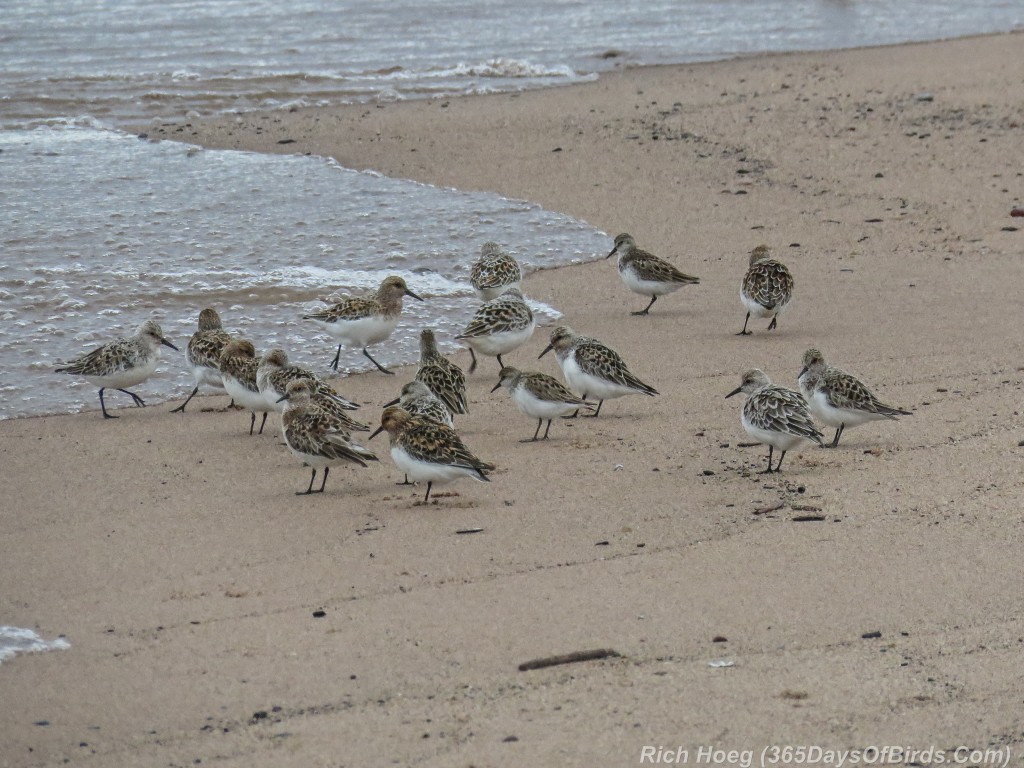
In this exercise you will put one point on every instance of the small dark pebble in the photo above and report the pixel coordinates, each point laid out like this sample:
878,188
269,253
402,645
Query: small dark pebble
319,614
351,677
708,472
794,245
601,544
1009,229
719,639
723,445
879,175
942,389
800,489
557,149
41,722
872,221
83,743
1020,444
871,635
286,141
1017,212
463,531
808,518
261,715
510,739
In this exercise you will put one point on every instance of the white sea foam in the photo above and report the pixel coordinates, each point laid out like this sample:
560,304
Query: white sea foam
15,640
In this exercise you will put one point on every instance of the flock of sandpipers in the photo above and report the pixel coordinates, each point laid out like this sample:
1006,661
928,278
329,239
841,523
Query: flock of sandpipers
316,421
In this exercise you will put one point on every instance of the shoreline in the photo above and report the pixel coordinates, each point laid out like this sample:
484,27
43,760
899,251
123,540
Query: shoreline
186,575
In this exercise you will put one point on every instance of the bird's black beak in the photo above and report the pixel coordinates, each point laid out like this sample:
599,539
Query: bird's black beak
166,343
802,371
376,432
734,392
282,398
612,253
410,293
547,349
495,387
388,404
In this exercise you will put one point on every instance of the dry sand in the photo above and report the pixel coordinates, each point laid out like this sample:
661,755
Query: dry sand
173,554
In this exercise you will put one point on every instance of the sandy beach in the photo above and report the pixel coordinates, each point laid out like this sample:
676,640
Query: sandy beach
866,596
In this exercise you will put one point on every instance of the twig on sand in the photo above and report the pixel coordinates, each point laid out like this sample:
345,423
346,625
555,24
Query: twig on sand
569,658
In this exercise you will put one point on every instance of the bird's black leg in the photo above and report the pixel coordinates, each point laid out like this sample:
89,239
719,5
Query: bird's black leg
405,482
745,332
778,467
310,489
380,367
535,433
139,402
337,359
326,471
595,413
835,440
103,407
775,322
500,364
546,430
181,408
472,365
430,484
262,422
252,423
646,309
769,470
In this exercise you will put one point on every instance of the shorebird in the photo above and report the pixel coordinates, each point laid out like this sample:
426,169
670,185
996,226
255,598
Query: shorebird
539,396
767,288
774,415
592,368
203,353
494,272
121,363
359,321
645,273
839,399
274,373
238,366
315,436
499,326
442,377
426,450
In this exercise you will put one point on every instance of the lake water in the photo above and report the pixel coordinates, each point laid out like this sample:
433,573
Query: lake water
101,230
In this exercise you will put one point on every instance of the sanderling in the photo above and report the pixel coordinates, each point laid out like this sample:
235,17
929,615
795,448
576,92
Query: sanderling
774,415
539,396
494,272
426,450
274,372
499,326
839,399
359,321
121,363
593,369
203,353
315,436
767,288
238,365
645,273
443,377
418,400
